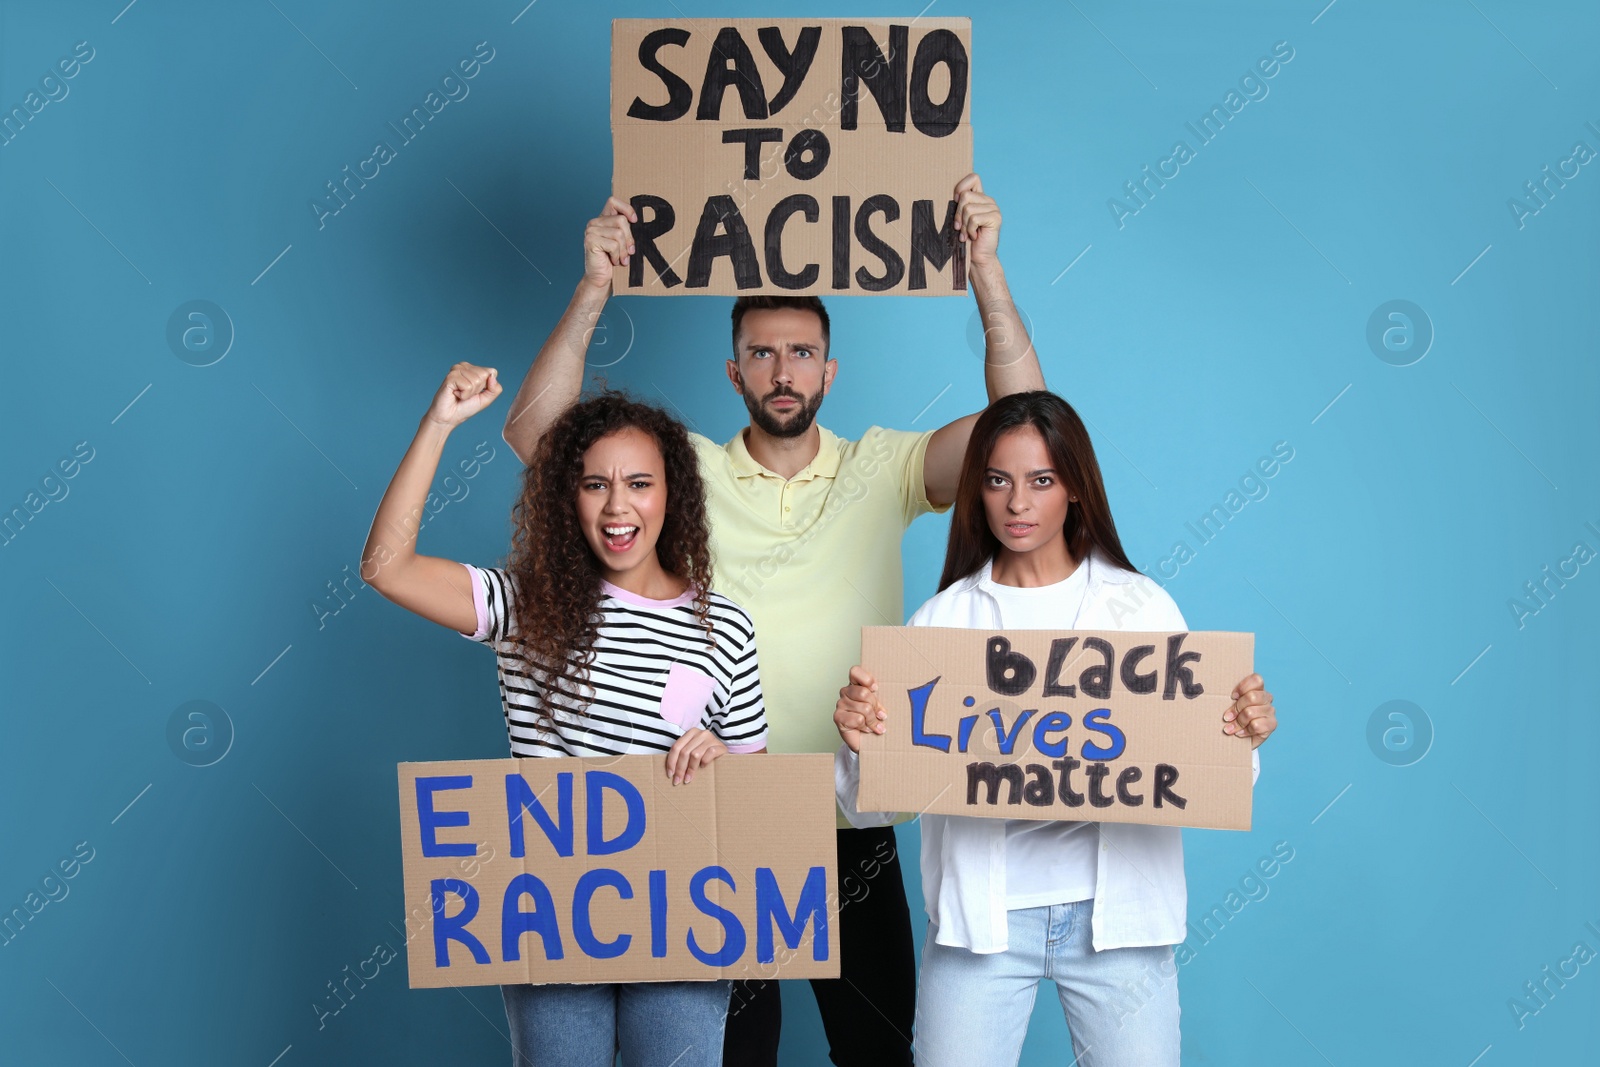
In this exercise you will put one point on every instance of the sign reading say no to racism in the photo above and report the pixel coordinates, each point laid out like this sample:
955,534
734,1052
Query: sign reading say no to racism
791,156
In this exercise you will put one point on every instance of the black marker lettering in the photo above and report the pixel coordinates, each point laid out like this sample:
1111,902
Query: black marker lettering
753,140
792,65
942,119
679,95
861,61
780,276
645,232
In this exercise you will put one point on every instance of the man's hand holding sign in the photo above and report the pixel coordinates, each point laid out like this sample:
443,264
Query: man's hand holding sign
1041,725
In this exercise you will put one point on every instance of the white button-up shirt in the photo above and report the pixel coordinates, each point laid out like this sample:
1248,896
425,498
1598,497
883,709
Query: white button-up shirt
1140,894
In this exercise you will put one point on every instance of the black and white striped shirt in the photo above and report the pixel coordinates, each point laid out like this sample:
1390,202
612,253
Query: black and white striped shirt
653,676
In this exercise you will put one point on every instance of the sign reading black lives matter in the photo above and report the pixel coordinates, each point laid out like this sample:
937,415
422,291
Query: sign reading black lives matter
791,156
1109,726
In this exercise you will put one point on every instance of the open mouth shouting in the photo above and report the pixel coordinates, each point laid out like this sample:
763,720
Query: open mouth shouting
620,537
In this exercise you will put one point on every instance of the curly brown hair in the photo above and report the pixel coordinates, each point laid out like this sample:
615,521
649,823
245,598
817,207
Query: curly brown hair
556,575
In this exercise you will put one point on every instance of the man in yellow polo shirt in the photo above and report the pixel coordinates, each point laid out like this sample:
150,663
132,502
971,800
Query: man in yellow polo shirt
806,530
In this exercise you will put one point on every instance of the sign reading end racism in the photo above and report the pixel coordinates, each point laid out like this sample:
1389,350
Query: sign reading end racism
601,870
1105,726
791,156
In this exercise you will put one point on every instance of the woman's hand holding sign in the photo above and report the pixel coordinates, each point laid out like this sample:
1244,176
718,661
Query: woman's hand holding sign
858,710
696,748
1251,714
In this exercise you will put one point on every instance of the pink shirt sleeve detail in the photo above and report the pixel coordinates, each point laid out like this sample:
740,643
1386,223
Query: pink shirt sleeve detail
754,746
480,604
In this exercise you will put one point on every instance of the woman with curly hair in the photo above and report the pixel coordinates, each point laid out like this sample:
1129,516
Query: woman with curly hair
609,642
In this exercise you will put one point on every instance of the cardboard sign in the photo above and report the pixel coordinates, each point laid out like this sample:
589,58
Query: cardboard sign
791,155
1092,725
601,870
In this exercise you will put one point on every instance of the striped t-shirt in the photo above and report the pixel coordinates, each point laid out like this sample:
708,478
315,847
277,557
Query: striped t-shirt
653,676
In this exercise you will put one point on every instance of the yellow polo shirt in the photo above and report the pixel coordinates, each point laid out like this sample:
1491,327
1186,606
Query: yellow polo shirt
813,559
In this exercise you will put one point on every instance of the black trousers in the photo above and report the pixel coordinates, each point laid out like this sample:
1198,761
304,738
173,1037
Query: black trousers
868,1011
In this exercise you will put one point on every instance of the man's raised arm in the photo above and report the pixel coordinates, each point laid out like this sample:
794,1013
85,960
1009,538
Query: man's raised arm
555,380
1010,362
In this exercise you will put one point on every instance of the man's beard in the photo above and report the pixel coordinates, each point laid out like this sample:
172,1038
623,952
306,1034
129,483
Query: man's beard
799,420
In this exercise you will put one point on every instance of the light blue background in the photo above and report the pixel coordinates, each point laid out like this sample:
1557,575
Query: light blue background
1227,315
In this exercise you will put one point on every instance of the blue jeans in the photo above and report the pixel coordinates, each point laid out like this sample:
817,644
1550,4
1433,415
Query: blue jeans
1121,1004
654,1024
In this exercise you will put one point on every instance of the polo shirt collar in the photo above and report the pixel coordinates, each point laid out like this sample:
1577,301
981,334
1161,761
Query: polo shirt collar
825,465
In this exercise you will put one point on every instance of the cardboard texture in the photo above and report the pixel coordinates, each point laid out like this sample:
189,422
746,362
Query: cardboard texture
1048,725
729,876
791,156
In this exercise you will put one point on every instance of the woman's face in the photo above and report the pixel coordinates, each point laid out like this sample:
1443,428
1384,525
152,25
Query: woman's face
1023,495
622,501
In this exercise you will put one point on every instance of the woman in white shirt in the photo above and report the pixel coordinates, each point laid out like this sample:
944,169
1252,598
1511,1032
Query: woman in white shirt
1096,907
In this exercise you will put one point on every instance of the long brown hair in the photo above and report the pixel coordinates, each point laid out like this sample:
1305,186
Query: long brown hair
556,576
1089,525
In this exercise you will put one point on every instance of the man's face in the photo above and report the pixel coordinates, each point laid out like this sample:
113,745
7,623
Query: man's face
781,369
